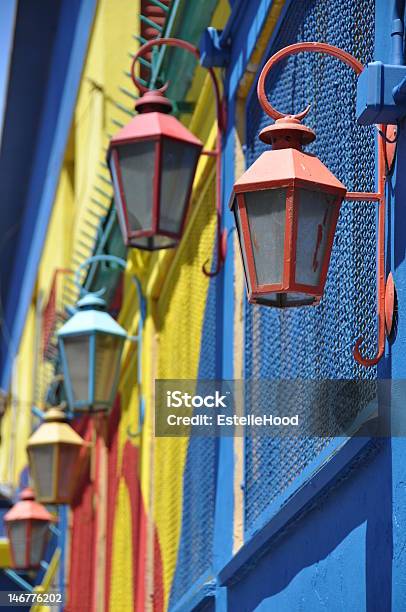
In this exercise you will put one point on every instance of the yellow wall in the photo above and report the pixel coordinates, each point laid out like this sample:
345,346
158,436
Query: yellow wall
70,237
170,279
16,423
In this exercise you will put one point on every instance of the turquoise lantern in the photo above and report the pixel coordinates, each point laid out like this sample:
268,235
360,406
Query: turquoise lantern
91,344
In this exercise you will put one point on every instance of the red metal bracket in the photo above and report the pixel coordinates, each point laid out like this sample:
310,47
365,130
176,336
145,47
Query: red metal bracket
221,234
385,160
380,198
313,47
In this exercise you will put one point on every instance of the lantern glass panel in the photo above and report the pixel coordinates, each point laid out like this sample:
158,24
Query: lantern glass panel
137,166
67,465
243,247
77,357
178,168
118,201
266,211
315,213
42,463
107,362
39,533
18,541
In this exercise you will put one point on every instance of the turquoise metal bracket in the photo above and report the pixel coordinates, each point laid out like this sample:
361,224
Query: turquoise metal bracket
138,338
12,574
51,400
37,412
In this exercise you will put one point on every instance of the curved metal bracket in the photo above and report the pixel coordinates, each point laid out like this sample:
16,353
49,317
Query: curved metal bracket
313,47
122,263
182,44
381,284
52,400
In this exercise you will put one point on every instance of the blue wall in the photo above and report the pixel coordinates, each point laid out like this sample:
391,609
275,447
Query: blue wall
8,10
336,539
337,556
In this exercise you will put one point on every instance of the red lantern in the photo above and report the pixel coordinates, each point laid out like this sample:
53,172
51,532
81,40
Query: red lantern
153,162
286,207
27,524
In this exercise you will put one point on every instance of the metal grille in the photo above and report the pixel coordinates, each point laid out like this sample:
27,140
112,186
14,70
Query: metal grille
199,483
316,343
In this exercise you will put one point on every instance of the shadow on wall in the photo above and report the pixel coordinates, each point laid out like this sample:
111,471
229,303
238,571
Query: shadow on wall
336,558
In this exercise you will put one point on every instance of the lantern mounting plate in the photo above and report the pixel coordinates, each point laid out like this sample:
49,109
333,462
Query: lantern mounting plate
390,304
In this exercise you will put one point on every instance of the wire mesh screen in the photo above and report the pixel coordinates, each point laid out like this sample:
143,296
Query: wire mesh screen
317,342
199,484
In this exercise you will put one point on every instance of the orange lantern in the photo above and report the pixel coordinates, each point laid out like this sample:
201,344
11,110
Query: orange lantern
286,208
27,525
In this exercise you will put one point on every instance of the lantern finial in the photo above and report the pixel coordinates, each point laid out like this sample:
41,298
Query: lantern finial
287,133
91,301
154,101
55,414
27,494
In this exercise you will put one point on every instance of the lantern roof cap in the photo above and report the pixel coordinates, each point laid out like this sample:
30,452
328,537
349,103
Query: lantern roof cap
91,300
90,318
54,430
152,126
55,414
288,167
28,509
27,494
287,131
154,100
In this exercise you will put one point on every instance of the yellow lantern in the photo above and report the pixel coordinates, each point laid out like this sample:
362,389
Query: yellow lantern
53,452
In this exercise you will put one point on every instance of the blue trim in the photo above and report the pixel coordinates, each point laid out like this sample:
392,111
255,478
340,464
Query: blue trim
395,362
8,11
336,460
243,44
266,55
224,513
26,586
199,595
232,24
246,38
38,209
62,541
